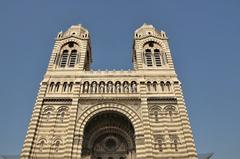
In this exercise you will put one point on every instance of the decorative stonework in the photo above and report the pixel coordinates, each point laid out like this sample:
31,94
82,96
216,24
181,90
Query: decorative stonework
132,103
59,101
128,114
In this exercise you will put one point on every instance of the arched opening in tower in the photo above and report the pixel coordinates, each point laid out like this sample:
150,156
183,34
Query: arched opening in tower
108,135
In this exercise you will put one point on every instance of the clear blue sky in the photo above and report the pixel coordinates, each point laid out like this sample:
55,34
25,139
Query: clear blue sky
204,40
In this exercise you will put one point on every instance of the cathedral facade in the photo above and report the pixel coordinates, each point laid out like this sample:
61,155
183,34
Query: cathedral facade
134,114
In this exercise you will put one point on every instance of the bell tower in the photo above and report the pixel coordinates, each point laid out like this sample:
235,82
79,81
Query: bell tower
72,50
150,49
51,129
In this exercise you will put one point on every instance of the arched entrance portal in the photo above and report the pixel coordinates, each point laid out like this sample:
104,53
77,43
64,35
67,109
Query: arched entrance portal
108,135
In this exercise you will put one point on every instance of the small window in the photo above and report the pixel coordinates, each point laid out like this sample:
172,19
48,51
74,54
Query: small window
51,87
151,44
57,87
148,57
155,86
157,59
168,84
71,44
147,50
73,58
162,86
149,86
64,58
70,87
64,89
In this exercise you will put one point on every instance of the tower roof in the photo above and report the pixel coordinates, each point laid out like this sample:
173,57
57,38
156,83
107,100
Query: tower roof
144,27
75,30
148,30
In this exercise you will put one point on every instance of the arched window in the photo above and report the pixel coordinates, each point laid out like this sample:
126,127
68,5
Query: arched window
152,54
56,145
41,144
61,113
155,112
73,58
51,87
168,84
57,87
47,113
155,86
64,58
159,141
64,88
162,86
148,86
157,57
170,109
148,57
70,87
174,141
71,44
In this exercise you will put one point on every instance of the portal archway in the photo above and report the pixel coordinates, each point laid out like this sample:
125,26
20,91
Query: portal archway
108,135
